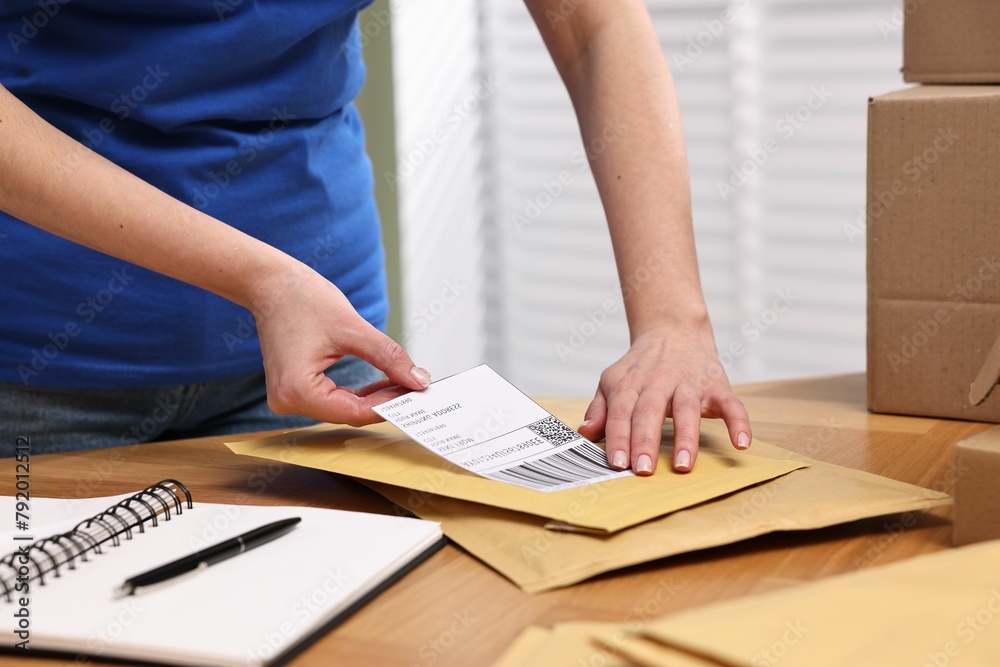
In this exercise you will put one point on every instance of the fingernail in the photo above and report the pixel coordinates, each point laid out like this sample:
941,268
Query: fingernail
584,424
644,464
742,440
420,375
619,460
683,460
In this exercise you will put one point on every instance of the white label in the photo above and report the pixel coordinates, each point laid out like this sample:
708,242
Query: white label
483,423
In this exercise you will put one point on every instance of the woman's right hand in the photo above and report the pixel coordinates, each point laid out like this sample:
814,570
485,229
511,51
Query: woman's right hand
305,324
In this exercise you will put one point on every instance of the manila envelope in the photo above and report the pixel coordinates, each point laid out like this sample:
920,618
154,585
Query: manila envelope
938,609
519,546
380,453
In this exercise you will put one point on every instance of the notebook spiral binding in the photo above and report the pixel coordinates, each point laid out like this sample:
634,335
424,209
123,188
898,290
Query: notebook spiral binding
46,556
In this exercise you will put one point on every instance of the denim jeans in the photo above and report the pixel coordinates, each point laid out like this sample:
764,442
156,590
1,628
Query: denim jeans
62,419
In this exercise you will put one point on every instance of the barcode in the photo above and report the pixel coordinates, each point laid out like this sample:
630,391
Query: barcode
585,462
553,430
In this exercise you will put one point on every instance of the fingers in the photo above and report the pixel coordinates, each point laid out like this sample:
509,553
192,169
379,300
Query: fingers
637,393
369,389
734,414
376,393
307,329
324,401
618,427
686,412
594,426
341,407
594,419
647,431
389,357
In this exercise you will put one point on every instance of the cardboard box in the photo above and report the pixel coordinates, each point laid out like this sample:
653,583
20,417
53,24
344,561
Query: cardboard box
951,41
977,494
933,233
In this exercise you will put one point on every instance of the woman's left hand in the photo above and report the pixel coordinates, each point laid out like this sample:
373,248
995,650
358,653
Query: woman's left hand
673,373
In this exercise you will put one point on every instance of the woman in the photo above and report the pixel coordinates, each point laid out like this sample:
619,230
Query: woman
216,146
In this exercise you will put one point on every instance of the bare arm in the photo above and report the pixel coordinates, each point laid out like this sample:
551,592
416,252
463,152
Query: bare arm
610,60
49,180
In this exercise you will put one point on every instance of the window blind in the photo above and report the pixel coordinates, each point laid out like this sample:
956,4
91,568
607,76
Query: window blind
774,101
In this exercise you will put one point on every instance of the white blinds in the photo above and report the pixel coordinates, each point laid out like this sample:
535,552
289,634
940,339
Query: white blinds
781,276
774,98
832,54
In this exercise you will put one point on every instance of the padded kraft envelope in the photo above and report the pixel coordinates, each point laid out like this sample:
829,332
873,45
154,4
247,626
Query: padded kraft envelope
519,546
380,453
940,609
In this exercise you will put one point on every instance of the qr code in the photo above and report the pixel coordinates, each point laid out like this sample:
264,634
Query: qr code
554,431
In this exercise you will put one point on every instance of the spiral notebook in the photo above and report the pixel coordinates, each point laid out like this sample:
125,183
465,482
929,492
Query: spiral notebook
258,608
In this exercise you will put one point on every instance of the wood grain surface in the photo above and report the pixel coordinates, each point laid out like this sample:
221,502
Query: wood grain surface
453,610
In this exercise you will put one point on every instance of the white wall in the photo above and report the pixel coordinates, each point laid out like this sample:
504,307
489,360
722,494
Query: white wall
439,97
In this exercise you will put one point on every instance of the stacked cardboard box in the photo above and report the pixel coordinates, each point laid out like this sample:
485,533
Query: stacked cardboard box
951,41
933,219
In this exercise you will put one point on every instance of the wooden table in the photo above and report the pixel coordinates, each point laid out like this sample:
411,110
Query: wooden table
453,610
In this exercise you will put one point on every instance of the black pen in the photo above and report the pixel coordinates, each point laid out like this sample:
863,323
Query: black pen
208,556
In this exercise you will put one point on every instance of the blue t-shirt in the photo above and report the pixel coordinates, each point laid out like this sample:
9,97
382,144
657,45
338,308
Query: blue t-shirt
240,108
